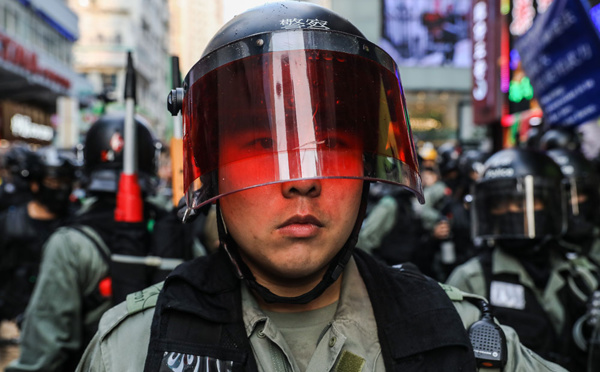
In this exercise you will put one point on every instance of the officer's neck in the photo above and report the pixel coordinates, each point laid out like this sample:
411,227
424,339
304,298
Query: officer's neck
329,296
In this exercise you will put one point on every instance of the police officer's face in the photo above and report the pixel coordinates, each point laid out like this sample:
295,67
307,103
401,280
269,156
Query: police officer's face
292,230
504,206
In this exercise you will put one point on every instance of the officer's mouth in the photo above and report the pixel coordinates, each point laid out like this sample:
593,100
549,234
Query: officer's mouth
306,226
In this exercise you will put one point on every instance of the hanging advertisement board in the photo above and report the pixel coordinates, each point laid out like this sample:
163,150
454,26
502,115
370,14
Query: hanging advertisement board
427,33
560,54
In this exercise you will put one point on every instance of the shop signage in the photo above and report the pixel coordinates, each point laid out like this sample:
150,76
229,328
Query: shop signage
16,54
20,122
22,126
485,35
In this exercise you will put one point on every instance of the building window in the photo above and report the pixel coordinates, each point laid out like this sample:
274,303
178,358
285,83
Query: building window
109,82
2,22
11,20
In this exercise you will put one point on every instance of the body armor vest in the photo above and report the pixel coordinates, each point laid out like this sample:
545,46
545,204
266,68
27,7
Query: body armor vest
198,319
532,323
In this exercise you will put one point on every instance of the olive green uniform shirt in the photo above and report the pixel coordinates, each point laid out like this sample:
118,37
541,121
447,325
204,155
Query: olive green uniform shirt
122,341
428,212
378,224
55,319
469,277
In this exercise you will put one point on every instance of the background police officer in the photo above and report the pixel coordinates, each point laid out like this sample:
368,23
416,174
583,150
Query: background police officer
24,227
519,208
583,196
74,286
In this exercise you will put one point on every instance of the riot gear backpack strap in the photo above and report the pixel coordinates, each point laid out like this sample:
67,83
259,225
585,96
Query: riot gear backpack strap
100,293
127,272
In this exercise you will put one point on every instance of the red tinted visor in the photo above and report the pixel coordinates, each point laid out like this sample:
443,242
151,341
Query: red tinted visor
288,106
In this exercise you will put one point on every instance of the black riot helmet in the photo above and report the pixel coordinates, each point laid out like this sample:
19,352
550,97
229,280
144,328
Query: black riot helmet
470,163
560,138
56,164
18,160
103,154
519,197
303,85
54,172
448,158
292,91
583,195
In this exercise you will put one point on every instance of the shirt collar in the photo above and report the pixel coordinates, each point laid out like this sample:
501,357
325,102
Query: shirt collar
351,302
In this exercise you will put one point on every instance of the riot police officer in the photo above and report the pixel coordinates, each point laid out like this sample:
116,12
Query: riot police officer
583,197
519,209
289,115
560,138
25,227
75,285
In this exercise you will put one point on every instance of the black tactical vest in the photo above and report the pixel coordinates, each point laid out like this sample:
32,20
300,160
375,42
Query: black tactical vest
198,319
532,323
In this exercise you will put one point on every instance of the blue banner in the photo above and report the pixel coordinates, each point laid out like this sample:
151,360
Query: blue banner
561,56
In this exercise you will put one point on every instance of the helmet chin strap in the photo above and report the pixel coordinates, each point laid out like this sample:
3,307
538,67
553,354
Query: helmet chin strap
335,269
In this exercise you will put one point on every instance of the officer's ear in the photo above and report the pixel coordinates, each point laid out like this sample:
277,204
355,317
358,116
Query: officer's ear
34,187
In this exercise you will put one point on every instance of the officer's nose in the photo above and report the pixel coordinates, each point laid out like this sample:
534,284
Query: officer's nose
309,188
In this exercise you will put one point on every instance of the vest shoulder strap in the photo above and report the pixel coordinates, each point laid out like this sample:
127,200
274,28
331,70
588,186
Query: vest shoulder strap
453,293
456,294
135,303
144,299
95,298
97,241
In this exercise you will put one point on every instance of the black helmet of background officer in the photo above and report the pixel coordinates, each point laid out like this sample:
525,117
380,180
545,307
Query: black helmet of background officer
291,85
471,161
560,138
448,165
51,176
448,158
15,162
583,196
519,201
103,154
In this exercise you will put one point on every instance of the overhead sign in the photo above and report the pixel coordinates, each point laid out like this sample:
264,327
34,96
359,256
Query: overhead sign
561,56
486,52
